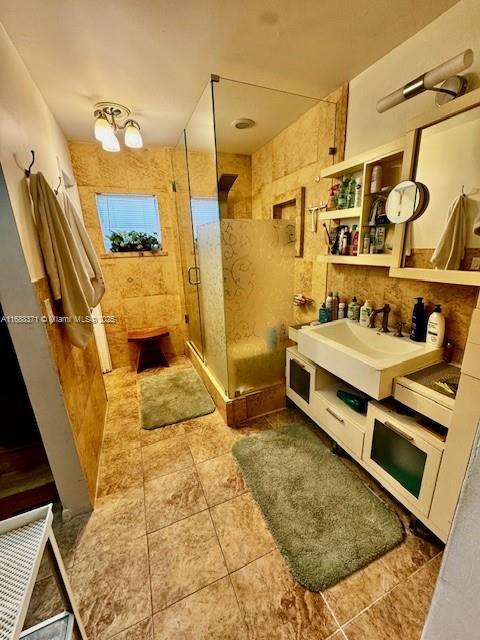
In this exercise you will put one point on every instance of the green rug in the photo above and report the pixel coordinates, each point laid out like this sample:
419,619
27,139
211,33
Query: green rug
173,396
326,522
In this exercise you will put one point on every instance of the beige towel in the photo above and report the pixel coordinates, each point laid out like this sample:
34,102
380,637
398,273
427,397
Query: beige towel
450,249
65,267
86,250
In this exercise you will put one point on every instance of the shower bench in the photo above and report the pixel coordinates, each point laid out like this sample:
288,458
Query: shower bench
149,348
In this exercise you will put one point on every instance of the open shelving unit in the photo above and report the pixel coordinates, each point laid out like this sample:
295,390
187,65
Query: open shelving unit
391,159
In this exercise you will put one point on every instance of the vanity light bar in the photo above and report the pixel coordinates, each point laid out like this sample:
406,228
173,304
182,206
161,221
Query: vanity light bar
428,81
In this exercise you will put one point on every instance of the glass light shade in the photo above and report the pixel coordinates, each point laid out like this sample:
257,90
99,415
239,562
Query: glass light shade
133,137
103,129
111,143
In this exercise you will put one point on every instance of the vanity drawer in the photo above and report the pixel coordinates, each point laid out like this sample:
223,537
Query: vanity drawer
300,374
338,425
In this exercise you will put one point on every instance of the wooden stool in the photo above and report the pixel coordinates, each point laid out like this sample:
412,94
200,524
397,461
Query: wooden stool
149,352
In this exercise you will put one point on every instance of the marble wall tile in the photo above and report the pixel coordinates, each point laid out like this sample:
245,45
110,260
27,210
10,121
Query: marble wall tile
184,557
211,613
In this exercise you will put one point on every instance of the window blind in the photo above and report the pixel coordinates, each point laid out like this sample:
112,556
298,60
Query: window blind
127,212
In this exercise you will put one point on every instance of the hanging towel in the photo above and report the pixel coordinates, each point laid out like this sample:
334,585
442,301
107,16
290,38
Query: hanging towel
86,250
450,250
69,279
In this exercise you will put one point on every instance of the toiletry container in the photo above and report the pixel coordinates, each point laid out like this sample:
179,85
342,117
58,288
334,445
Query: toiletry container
353,311
336,300
351,193
329,305
323,313
358,194
417,332
376,182
366,243
341,310
354,240
365,313
436,327
380,239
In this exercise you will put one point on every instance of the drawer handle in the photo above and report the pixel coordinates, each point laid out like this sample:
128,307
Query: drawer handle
299,363
400,433
332,413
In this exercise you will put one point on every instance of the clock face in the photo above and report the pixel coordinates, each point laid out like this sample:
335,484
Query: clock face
406,201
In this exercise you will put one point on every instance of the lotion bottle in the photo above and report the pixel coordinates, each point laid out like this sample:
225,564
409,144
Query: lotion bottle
436,327
365,313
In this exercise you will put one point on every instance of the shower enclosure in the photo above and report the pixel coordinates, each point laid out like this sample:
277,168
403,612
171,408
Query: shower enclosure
238,259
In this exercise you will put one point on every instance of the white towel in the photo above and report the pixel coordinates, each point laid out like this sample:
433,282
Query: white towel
69,279
450,249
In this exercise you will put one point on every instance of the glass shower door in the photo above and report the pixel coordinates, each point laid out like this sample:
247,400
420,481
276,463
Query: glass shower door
190,270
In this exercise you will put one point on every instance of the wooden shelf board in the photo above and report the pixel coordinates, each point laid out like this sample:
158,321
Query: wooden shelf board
341,214
366,259
356,163
469,278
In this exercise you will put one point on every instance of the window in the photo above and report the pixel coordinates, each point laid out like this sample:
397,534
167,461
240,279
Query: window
204,210
123,213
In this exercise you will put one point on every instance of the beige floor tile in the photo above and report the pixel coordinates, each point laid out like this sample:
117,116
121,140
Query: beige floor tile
275,606
113,589
119,470
151,436
67,535
253,426
141,631
209,614
173,497
221,478
287,416
203,421
44,603
211,441
402,612
116,519
165,457
241,530
184,557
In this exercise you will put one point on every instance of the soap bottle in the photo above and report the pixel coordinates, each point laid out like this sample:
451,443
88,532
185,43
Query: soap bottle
436,327
323,313
365,313
353,310
329,305
417,332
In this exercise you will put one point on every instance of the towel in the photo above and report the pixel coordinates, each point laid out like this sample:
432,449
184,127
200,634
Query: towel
86,250
450,249
69,280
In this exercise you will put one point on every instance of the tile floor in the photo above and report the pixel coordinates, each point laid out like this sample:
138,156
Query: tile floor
176,548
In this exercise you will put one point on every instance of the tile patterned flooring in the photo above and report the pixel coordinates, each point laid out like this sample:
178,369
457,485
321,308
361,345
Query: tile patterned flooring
176,548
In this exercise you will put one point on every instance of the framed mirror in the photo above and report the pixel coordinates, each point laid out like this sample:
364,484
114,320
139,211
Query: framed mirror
443,244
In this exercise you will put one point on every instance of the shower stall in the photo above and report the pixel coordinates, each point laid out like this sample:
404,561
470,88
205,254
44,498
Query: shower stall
238,258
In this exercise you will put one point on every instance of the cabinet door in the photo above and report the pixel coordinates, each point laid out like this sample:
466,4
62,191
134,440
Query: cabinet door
405,462
300,380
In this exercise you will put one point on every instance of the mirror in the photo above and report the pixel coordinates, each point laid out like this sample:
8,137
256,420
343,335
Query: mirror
406,201
448,163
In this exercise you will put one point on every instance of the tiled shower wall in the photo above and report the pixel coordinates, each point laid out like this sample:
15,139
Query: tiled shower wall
141,290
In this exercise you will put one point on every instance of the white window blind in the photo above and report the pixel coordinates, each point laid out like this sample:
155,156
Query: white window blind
128,212
204,210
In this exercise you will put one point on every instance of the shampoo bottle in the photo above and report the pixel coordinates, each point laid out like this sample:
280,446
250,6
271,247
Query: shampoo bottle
323,313
417,332
329,305
365,313
436,327
353,310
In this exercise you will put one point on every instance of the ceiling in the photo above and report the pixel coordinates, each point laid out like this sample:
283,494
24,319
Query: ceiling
156,56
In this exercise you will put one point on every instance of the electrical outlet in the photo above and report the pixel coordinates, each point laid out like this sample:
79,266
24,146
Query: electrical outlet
475,266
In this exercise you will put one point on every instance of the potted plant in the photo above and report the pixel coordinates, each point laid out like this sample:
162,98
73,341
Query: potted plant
123,241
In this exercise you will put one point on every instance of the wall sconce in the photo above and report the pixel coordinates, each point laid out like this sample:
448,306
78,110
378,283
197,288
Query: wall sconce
446,73
108,121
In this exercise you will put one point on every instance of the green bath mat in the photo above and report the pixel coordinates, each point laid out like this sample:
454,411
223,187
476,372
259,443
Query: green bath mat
173,396
325,520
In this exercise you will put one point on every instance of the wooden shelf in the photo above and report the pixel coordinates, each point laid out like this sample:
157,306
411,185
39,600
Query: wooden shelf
469,278
341,214
367,259
356,163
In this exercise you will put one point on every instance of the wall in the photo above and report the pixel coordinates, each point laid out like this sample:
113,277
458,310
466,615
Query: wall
294,158
240,195
141,291
26,123
454,31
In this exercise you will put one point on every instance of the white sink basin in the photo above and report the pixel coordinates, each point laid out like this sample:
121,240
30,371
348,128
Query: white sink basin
367,359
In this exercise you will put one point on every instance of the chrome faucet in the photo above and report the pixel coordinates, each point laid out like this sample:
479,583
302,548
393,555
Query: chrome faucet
385,311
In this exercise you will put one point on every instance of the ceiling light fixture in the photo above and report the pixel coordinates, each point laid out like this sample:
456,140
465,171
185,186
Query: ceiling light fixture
110,118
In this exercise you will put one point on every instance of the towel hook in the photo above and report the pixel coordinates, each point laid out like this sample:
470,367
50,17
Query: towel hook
29,170
55,191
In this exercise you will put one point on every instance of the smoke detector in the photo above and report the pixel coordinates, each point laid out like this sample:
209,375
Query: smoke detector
243,123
